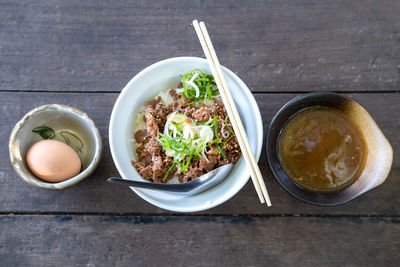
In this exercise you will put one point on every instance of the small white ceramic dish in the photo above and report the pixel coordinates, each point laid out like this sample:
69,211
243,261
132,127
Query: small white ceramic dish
65,118
143,87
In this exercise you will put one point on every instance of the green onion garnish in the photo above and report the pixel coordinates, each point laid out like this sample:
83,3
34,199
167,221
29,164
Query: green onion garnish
198,85
169,171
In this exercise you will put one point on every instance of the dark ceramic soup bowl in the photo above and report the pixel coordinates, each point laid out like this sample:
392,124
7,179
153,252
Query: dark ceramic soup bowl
379,152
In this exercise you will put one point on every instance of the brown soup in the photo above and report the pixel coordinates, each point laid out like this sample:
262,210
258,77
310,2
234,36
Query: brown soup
321,150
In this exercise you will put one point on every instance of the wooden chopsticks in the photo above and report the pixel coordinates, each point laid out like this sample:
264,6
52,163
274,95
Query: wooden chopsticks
232,111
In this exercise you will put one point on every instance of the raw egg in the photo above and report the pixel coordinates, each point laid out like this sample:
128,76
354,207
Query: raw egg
53,161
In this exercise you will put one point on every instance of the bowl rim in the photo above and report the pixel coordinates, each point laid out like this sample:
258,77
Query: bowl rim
270,153
241,183
85,118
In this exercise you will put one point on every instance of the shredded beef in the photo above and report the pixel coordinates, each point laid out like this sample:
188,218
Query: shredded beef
203,113
144,169
155,116
219,108
154,147
185,101
172,93
151,124
187,110
191,174
141,136
144,155
209,163
157,167
153,164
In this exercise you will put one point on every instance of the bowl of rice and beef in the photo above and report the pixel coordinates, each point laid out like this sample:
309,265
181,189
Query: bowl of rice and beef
169,125
182,136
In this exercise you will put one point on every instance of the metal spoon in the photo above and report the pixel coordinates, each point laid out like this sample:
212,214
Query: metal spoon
195,186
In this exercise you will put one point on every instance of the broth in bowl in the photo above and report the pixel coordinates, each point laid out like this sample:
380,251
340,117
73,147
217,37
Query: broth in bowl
321,150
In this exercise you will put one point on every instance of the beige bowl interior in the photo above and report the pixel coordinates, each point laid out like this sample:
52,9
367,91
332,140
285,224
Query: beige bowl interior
379,151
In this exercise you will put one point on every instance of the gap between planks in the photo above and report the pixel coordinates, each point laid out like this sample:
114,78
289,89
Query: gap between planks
22,213
253,92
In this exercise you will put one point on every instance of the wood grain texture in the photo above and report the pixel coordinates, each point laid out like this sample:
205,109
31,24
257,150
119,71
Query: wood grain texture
88,50
273,45
94,195
198,241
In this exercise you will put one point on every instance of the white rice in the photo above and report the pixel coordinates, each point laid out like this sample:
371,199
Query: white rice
139,123
166,98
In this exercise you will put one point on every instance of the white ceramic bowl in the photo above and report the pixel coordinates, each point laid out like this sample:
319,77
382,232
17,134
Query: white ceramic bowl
143,87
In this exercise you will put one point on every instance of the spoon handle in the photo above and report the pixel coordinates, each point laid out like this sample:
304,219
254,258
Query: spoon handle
148,185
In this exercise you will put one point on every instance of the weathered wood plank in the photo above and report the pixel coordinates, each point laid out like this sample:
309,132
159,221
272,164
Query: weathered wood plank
273,45
198,241
95,195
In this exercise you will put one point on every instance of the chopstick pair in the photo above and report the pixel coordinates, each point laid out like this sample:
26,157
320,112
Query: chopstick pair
232,111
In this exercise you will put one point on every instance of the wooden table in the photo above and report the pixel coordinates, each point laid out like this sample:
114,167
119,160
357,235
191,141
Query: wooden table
81,53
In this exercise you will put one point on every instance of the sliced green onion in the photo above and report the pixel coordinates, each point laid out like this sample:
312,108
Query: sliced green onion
216,128
169,171
222,152
227,125
184,169
227,140
198,85
209,93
